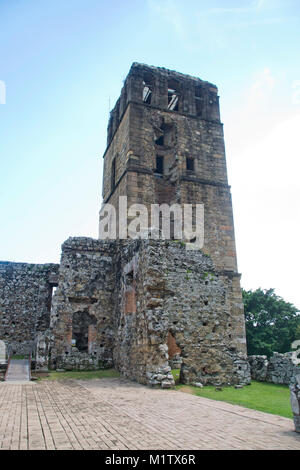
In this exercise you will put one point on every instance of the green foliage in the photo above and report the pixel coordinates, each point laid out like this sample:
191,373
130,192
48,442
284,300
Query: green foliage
208,276
272,324
205,254
267,397
181,243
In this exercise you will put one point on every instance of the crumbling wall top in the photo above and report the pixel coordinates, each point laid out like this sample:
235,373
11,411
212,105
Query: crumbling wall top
139,67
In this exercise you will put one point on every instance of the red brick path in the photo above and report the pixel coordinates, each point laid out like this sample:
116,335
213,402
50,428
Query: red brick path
117,414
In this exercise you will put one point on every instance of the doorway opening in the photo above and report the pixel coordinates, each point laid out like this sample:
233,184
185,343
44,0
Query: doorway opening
175,358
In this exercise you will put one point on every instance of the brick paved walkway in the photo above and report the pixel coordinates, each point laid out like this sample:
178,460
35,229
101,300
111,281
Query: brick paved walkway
117,414
18,370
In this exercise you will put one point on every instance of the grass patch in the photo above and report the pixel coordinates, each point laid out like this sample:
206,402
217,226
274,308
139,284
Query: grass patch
176,374
19,356
261,396
79,374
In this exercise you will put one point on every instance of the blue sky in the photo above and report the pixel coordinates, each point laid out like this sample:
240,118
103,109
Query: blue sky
63,63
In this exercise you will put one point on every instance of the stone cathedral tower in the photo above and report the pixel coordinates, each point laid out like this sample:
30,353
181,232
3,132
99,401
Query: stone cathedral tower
165,144
144,306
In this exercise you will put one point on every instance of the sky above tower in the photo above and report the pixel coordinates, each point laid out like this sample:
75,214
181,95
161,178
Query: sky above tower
62,66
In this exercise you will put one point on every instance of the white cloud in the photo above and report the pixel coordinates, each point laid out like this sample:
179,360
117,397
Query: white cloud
265,182
198,26
252,6
263,155
261,90
273,4
262,105
276,156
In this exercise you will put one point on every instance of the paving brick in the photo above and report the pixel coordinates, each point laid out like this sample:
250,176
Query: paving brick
118,414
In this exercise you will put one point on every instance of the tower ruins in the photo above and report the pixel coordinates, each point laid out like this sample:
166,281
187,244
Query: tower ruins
143,305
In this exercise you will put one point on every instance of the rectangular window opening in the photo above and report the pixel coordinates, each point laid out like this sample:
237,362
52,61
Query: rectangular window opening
160,140
146,93
159,165
172,100
190,164
113,174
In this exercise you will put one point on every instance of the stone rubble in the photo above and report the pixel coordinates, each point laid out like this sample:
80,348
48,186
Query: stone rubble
280,369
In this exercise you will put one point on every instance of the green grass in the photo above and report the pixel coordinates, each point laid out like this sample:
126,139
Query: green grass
176,374
261,396
83,375
19,356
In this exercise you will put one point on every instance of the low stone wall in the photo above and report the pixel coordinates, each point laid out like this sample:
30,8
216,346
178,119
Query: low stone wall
280,369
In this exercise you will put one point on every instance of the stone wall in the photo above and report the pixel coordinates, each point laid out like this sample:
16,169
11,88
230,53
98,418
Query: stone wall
280,369
25,303
295,401
83,310
118,303
172,290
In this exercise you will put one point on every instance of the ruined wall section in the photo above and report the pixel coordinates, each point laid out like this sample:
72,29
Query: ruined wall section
184,137
82,316
139,354
178,292
25,303
279,369
203,317
118,150
159,79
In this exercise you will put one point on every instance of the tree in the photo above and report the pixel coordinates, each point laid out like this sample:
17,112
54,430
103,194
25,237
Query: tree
272,324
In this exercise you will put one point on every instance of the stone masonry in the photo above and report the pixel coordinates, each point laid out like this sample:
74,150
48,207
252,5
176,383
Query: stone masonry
118,302
295,401
279,369
25,303
156,154
142,306
83,306
166,289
